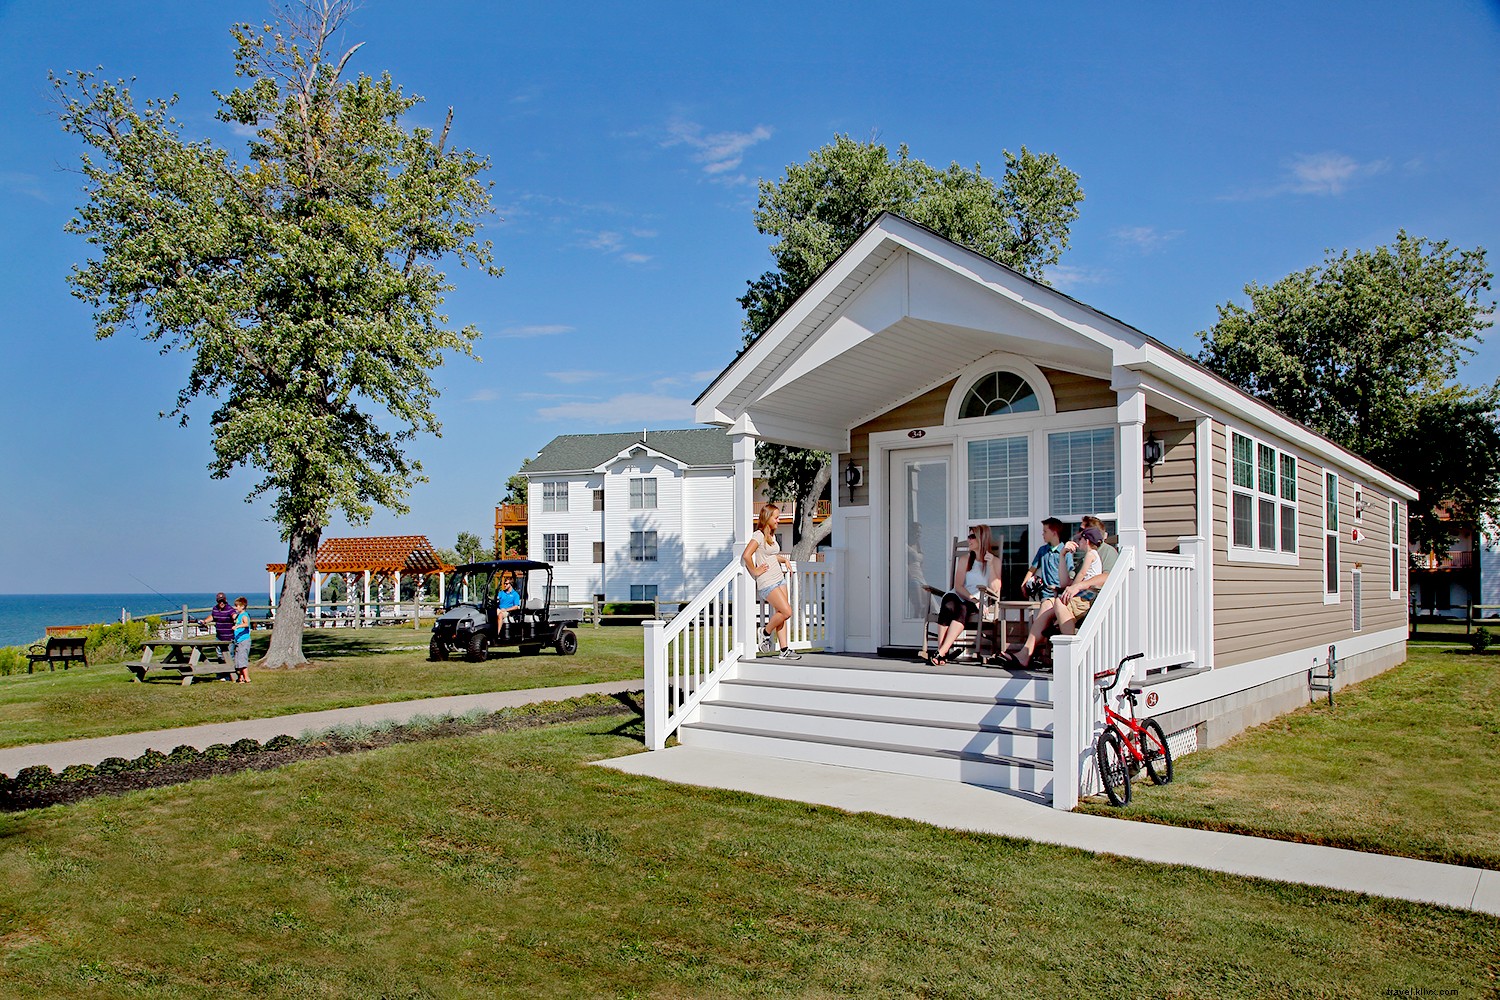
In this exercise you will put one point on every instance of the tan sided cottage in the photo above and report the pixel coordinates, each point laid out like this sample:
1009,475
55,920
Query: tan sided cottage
954,390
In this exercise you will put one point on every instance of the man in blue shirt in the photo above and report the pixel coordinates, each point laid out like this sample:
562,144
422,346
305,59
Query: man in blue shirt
1047,563
507,601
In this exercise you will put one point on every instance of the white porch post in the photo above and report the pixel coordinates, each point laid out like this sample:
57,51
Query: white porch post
1200,615
744,515
1131,418
1203,447
271,590
442,588
1068,738
364,610
317,595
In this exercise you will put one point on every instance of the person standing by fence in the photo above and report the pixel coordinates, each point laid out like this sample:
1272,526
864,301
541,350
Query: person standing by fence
764,559
241,640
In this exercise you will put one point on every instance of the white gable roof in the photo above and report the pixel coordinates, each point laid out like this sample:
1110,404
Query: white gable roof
904,310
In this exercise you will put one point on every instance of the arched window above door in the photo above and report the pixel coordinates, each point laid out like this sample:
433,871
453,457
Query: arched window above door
997,393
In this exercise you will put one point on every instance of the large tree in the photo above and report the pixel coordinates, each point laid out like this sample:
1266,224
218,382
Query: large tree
1366,349
301,280
819,208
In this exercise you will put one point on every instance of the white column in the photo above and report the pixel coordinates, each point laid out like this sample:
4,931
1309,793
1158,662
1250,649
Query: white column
1204,443
364,610
442,588
317,595
744,526
1068,738
271,590
654,694
396,589
1131,418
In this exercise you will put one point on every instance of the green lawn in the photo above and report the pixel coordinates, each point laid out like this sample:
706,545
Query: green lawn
499,865
350,667
1404,763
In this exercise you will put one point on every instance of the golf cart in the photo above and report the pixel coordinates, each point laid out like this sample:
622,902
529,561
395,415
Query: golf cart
472,621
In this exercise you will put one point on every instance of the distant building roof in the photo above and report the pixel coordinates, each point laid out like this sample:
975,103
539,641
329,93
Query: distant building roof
695,446
386,554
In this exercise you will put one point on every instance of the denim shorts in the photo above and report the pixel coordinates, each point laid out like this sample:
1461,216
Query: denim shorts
242,654
762,593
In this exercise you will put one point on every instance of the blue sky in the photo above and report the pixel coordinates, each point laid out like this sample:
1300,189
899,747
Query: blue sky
1215,147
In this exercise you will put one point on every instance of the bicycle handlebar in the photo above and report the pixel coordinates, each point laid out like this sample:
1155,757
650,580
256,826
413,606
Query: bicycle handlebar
1118,667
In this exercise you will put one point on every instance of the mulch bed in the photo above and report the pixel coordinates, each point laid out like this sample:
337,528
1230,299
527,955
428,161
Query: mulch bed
331,745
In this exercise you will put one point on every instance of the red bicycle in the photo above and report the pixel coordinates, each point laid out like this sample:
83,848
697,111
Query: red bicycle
1127,745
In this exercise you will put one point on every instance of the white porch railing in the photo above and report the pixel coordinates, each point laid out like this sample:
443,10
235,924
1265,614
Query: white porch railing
1171,610
1099,645
686,657
811,594
1169,626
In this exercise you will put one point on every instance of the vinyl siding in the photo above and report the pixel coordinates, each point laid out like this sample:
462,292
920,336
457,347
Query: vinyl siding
580,522
620,520
1264,610
1171,499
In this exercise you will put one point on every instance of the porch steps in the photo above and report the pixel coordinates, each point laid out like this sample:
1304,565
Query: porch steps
968,724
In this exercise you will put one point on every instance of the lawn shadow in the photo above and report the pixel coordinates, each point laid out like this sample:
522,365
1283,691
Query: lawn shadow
633,728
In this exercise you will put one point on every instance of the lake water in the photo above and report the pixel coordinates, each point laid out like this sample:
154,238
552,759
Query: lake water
24,617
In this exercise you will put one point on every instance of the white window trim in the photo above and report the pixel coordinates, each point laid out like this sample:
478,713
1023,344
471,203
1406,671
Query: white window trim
558,501
643,532
1397,555
1338,595
655,493
1359,497
1239,553
558,538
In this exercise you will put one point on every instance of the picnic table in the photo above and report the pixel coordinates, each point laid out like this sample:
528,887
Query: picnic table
197,657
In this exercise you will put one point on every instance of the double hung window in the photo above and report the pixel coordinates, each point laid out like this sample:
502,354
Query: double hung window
555,547
1395,549
643,591
1263,500
643,494
1330,537
555,496
643,546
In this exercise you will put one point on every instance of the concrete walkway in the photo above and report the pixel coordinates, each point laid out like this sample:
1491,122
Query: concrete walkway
132,745
969,807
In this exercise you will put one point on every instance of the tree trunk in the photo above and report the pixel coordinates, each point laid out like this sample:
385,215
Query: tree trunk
806,546
291,613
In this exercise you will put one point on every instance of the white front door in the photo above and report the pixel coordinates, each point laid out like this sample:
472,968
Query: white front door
921,537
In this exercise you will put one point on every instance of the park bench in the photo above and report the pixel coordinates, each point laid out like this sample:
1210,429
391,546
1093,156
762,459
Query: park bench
64,649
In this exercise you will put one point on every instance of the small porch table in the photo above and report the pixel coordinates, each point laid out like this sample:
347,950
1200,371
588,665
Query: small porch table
1015,621
190,656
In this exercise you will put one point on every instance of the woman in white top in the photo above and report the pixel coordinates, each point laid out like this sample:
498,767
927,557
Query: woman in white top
979,568
764,560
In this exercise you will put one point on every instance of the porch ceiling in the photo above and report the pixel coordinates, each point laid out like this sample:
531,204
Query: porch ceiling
816,403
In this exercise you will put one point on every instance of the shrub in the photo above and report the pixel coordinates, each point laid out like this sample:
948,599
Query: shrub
76,772
13,660
183,754
149,761
1482,639
282,742
245,747
219,751
119,641
113,765
34,778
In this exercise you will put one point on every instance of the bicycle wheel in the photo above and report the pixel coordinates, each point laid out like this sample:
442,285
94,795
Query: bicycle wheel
1109,754
1158,755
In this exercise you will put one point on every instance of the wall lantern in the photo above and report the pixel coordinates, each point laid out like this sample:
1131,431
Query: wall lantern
1153,453
854,475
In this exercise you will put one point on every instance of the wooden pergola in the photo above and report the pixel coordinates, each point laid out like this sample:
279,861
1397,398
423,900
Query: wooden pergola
378,559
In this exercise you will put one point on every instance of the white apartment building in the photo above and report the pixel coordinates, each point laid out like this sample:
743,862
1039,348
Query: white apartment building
632,516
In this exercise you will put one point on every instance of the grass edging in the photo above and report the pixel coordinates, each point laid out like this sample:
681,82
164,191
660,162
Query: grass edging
39,786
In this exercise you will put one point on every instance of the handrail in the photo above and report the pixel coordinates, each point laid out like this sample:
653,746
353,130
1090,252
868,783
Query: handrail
686,657
1075,659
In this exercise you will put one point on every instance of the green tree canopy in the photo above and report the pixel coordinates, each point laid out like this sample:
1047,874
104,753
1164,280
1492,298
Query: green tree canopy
820,207
471,548
302,278
1365,349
